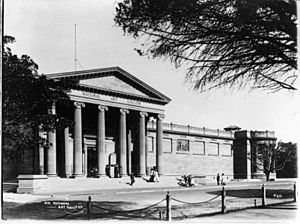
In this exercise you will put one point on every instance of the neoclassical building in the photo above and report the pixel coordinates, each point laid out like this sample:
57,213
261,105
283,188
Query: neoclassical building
111,112
118,129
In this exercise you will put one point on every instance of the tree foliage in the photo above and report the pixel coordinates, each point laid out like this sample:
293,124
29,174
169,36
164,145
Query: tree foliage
224,42
271,158
27,99
290,170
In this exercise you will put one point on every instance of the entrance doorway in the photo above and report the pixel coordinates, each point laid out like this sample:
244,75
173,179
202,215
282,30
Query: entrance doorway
92,166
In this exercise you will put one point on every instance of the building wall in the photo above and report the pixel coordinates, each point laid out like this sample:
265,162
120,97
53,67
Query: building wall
188,154
240,159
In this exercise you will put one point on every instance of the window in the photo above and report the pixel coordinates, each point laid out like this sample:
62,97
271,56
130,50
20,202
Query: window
198,147
226,150
150,144
183,145
212,148
167,145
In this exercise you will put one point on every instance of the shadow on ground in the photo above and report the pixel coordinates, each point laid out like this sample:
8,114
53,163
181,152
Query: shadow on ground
111,210
107,210
121,210
257,193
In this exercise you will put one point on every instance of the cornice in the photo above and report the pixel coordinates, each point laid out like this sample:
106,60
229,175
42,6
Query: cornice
156,96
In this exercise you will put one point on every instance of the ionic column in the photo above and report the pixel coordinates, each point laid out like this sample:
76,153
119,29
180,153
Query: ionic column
68,154
146,145
101,140
51,153
122,154
159,148
78,139
85,158
129,149
142,144
248,158
41,156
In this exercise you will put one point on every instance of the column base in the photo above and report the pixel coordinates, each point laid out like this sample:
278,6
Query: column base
79,175
101,175
52,175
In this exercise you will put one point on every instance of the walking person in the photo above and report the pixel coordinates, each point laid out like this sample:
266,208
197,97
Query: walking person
132,180
117,171
222,179
156,176
218,179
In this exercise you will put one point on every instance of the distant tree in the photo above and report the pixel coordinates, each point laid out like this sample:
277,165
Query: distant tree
290,170
27,99
224,42
271,158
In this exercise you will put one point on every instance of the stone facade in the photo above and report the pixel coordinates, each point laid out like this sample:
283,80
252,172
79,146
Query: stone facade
200,152
118,128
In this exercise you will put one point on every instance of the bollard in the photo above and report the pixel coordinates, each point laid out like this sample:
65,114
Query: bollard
168,203
254,203
263,196
160,214
223,200
295,192
89,207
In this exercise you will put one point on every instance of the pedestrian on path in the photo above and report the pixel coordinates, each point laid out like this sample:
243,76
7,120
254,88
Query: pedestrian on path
156,176
223,179
218,179
132,180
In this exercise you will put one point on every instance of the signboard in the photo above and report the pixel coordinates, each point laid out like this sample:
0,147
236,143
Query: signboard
65,205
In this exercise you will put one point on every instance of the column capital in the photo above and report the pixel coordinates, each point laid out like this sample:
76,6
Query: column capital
102,108
160,116
78,105
143,114
124,111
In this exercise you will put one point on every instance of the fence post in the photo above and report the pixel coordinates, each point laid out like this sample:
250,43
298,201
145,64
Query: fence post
254,203
89,207
295,192
263,196
223,200
168,201
160,214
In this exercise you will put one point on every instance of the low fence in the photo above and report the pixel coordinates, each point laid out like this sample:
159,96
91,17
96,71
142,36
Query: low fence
173,208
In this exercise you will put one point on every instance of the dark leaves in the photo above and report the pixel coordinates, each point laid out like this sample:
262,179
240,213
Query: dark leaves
27,99
225,42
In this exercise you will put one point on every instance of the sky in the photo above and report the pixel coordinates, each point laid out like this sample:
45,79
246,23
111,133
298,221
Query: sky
45,30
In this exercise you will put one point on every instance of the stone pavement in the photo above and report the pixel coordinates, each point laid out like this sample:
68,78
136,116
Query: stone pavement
62,186
71,186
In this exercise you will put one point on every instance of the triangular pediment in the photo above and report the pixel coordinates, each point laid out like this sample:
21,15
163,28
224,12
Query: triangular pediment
112,83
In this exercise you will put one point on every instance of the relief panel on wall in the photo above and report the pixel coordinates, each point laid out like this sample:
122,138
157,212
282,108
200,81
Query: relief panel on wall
183,145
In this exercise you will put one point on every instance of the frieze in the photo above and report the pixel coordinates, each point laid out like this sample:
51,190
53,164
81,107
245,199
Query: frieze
111,98
97,96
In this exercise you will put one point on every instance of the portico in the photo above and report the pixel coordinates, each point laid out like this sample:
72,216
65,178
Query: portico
111,109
